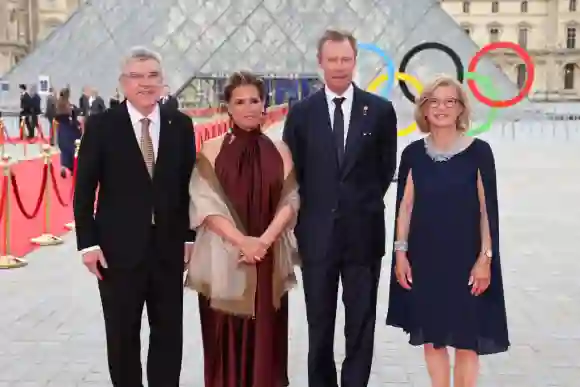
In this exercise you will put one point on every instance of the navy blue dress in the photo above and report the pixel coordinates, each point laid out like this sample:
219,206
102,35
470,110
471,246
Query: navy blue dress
444,244
68,132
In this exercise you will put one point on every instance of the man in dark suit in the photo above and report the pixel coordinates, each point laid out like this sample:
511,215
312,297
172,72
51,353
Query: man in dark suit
96,103
141,159
84,104
167,101
344,144
26,109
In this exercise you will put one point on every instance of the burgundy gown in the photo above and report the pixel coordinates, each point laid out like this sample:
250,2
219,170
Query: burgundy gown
246,351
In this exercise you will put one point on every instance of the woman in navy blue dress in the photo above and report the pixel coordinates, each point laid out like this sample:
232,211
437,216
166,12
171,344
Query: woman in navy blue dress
446,284
68,131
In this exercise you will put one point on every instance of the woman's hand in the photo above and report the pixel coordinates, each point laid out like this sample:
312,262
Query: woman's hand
252,250
480,275
403,270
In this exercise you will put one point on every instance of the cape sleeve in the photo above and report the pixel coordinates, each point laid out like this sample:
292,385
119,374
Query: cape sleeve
486,165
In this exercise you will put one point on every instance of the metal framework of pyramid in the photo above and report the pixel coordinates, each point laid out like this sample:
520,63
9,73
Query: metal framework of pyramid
208,38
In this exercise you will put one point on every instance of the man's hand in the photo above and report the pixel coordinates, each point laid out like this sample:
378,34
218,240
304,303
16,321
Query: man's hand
91,259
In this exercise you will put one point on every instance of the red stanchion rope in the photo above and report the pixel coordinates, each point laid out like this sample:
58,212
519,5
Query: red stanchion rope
4,197
40,196
55,187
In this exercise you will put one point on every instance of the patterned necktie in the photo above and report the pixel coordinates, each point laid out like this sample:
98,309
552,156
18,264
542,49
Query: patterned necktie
147,146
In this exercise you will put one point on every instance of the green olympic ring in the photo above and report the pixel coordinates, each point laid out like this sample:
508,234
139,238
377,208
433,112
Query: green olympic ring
487,85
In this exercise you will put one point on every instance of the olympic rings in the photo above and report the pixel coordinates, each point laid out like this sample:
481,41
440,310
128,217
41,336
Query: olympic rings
521,52
381,79
530,70
428,46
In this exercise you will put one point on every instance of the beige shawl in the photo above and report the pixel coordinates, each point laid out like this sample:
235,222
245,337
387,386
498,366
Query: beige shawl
213,268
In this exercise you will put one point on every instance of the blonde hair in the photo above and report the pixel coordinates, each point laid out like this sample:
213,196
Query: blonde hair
464,118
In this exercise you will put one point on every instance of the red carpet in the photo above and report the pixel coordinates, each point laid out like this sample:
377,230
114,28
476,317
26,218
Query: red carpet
29,178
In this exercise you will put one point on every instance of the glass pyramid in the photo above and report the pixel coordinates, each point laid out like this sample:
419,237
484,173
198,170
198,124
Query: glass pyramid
213,38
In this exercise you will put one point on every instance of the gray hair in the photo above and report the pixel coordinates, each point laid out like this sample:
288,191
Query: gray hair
140,53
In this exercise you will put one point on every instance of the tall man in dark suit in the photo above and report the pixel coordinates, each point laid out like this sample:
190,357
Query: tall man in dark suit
167,101
141,159
344,144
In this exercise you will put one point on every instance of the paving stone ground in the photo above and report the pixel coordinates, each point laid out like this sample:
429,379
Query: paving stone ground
52,332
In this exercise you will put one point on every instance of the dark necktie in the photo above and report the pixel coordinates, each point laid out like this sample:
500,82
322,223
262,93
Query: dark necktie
338,128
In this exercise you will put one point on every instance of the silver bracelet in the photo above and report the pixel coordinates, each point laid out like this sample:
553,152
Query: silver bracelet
401,246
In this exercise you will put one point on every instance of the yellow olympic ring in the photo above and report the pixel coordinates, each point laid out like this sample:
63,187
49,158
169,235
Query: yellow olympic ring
382,78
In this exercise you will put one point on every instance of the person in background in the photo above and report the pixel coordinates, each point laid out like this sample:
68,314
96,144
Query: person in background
26,109
167,101
36,110
446,283
96,103
50,114
115,100
84,105
68,129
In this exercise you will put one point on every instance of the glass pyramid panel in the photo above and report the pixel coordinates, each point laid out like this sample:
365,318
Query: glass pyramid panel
199,38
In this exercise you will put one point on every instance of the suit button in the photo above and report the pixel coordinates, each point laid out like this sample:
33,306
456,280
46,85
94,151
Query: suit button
333,210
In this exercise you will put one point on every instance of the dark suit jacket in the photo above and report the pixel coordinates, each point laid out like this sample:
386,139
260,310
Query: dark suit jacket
98,106
26,105
36,104
352,192
110,158
50,111
84,105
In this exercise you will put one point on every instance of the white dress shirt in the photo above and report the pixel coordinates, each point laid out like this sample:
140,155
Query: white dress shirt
346,107
154,129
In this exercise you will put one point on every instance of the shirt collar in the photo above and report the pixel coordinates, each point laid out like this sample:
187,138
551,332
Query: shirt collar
136,117
348,94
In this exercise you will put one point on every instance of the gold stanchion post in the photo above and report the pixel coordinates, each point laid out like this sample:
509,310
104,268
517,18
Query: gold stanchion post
71,225
47,239
8,261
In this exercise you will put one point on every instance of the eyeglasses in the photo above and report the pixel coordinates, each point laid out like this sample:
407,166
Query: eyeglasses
447,102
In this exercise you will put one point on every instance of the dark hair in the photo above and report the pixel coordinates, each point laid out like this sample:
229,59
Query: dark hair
337,36
243,78
63,105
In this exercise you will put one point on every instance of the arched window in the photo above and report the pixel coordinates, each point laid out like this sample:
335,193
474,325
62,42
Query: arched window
569,72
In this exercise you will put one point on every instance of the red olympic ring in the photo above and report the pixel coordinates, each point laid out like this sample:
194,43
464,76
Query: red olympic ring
530,70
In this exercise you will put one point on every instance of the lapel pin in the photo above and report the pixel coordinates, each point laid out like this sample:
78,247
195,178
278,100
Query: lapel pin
365,110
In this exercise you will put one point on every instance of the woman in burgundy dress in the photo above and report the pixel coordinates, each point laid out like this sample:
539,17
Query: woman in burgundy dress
244,202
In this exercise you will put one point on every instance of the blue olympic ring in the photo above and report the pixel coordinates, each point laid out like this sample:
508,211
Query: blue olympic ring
387,62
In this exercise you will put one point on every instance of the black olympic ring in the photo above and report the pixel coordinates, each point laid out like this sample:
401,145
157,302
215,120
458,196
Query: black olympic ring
428,46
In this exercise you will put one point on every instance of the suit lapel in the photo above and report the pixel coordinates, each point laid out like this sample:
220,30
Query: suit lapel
355,129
